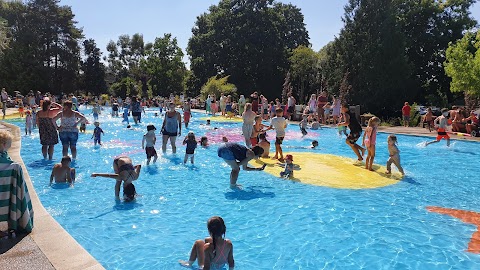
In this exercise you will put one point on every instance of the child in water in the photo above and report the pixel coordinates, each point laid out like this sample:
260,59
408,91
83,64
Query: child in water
28,123
369,141
394,155
303,125
97,132
150,139
288,172
125,115
204,141
191,143
314,144
441,123
213,252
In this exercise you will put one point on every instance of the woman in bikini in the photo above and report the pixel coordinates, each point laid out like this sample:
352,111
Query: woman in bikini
215,251
124,172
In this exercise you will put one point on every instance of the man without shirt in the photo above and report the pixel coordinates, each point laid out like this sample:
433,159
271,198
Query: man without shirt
62,173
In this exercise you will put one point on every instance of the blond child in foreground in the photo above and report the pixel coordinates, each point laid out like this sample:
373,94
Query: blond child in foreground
5,141
394,155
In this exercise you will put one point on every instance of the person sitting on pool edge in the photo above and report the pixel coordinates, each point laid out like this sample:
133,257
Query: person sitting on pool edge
237,156
62,173
124,172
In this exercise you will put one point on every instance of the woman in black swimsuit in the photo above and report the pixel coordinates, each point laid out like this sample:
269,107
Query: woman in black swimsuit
124,172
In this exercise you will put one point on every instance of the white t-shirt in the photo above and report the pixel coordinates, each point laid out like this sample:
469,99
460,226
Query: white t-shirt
291,101
279,124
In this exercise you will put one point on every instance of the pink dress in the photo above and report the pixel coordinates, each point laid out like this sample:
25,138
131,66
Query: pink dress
370,136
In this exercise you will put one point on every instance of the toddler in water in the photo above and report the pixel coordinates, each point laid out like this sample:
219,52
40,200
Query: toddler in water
303,125
83,127
213,252
149,138
28,123
288,172
265,144
314,144
204,141
125,115
191,143
369,140
97,132
394,155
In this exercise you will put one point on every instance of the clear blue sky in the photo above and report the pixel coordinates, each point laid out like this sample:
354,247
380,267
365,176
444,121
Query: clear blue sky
105,20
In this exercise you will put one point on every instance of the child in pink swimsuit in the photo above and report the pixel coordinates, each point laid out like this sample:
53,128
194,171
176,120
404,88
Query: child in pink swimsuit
215,251
369,140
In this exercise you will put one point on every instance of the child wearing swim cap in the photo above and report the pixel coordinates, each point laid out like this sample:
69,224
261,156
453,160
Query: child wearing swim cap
288,172
213,252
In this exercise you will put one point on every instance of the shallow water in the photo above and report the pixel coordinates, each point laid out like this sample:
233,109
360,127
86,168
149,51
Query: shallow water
273,223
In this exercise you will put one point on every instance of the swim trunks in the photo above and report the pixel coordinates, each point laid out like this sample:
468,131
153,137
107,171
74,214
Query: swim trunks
150,151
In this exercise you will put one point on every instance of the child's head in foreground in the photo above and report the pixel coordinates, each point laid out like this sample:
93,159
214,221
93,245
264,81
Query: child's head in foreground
66,160
5,140
216,227
392,139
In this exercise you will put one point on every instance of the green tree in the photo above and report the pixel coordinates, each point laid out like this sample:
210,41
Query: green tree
248,40
164,67
372,48
93,79
4,32
463,65
44,53
217,86
303,68
429,26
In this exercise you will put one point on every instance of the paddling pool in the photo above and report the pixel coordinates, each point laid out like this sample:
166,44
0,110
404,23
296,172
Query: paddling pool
274,223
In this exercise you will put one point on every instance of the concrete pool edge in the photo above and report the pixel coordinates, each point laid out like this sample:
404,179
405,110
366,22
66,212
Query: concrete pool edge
60,248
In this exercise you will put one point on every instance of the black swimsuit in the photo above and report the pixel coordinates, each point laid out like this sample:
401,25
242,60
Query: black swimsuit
124,167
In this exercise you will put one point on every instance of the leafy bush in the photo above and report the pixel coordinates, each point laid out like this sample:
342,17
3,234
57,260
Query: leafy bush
216,87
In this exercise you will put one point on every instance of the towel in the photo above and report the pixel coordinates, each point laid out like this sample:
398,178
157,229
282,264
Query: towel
15,205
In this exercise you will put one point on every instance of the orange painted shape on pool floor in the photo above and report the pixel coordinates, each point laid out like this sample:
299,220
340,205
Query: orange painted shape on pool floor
467,217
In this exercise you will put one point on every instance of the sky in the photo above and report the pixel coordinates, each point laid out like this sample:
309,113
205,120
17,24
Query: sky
106,20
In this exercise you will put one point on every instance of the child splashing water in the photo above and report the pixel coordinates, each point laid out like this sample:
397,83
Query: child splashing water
191,143
213,252
394,155
369,140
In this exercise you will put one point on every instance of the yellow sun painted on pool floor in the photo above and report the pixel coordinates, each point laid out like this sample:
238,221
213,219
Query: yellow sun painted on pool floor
332,171
221,119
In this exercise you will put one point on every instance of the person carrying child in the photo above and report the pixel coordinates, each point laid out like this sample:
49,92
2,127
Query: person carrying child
258,128
355,131
97,133
279,124
288,172
213,252
148,143
191,143
441,123
125,173
28,123
265,144
394,155
62,173
369,141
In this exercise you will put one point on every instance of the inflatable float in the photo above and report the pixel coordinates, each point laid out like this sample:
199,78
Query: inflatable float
332,171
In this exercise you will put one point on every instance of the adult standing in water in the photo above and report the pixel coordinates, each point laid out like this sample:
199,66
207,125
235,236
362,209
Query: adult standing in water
237,155
248,121
68,131
47,128
241,104
171,128
136,109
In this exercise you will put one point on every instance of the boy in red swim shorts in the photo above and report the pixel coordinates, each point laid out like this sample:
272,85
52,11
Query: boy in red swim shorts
441,123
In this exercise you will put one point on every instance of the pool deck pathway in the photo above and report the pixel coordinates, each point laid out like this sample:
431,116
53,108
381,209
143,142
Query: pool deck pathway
51,247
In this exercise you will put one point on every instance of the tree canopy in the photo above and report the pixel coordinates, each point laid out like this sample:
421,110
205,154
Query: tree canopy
248,40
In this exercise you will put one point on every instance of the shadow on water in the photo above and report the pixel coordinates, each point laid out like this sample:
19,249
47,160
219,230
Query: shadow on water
174,159
151,169
60,185
42,163
410,180
121,206
248,194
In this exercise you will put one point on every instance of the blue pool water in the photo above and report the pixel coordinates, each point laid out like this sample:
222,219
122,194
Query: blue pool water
273,223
